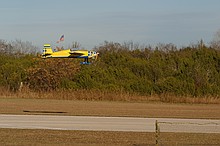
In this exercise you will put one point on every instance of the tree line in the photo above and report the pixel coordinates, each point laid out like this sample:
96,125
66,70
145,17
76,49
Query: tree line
165,69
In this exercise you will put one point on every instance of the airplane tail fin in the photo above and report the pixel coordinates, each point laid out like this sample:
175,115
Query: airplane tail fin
47,50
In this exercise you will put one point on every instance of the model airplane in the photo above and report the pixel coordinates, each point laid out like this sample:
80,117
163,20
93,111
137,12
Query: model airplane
69,53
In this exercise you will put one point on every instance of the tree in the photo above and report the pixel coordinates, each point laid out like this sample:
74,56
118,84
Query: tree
5,47
49,74
12,71
23,47
215,43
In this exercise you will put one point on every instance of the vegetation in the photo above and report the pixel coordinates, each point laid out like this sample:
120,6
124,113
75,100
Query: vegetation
192,71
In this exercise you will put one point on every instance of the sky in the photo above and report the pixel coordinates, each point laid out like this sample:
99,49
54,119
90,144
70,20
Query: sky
91,22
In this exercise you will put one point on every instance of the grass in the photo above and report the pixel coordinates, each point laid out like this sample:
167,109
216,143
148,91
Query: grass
92,138
97,95
107,108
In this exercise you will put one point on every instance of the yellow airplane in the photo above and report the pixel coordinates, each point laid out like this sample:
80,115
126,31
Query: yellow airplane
69,53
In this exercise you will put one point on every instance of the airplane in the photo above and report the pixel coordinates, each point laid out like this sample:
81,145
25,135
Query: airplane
69,53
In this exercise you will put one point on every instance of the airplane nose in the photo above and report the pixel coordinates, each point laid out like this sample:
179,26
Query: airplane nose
97,56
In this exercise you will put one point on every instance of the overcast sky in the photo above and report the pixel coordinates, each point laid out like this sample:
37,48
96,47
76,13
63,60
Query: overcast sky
91,22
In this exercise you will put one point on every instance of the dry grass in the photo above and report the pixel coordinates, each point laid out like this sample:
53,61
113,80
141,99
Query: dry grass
97,95
106,108
92,138
53,137
188,99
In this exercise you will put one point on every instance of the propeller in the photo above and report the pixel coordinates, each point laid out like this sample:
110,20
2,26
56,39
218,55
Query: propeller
97,54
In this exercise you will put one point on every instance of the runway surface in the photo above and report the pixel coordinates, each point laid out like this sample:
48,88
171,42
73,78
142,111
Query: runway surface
108,123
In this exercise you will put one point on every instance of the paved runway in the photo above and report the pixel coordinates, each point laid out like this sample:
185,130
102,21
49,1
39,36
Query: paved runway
108,123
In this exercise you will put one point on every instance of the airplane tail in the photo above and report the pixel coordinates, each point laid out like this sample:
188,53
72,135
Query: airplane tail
47,50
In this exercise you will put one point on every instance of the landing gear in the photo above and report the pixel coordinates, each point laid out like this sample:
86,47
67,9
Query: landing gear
86,61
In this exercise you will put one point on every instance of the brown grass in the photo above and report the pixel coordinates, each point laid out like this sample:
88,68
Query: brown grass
188,99
107,108
97,95
93,138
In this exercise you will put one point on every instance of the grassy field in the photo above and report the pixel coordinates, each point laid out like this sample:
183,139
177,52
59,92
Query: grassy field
105,108
92,138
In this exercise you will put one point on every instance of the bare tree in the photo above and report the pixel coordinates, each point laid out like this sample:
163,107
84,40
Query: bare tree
130,45
24,47
5,47
166,47
75,44
215,43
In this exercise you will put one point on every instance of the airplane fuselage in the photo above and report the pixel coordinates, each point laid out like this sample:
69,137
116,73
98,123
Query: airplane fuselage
69,54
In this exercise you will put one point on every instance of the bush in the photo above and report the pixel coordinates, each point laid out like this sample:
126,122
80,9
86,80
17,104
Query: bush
50,74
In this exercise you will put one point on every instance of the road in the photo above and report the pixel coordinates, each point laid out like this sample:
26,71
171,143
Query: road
108,123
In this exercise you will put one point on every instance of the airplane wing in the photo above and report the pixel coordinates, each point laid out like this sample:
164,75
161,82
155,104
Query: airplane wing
76,53
79,53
